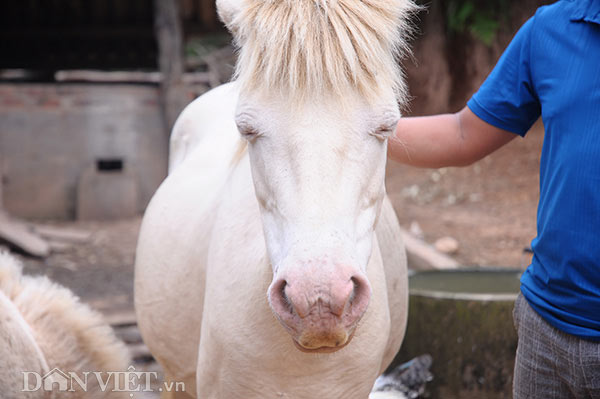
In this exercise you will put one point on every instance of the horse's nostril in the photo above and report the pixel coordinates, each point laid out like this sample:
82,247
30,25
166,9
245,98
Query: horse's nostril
361,293
356,286
285,298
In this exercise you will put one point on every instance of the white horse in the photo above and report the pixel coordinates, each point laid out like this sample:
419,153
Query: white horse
269,262
43,326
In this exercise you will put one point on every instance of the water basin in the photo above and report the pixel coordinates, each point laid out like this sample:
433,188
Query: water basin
463,319
483,284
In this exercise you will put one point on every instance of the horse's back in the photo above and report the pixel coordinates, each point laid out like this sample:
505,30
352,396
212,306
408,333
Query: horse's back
176,232
207,121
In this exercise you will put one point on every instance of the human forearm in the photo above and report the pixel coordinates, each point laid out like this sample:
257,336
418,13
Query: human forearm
445,140
424,141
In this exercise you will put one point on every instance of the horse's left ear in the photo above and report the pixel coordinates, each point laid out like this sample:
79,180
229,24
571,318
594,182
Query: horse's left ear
228,10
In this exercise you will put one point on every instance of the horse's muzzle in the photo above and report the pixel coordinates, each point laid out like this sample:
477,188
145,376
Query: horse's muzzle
320,308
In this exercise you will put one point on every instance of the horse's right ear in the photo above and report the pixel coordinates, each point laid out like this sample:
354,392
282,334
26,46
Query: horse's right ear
228,11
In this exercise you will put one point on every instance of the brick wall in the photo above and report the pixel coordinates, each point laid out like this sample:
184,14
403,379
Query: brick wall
51,133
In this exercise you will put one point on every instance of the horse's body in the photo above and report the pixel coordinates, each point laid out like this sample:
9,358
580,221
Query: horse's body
254,252
202,274
44,326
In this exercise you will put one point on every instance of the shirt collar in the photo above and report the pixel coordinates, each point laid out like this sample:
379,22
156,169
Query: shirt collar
586,11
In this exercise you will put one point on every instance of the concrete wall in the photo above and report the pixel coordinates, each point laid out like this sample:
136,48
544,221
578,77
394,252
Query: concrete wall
51,133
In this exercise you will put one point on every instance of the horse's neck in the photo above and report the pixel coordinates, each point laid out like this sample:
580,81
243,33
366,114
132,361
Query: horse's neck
241,331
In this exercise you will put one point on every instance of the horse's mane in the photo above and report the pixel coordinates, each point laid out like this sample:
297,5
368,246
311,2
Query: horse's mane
308,47
70,334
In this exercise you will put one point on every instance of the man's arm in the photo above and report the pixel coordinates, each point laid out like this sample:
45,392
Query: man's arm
445,140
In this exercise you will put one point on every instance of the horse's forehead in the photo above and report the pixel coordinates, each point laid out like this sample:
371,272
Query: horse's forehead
289,118
339,46
352,109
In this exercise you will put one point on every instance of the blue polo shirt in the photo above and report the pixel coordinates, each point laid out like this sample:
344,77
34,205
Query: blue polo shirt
552,68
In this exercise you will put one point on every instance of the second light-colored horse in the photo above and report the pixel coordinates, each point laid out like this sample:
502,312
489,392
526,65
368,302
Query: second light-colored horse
45,328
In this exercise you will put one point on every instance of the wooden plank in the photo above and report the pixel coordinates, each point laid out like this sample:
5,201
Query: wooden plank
422,256
107,77
17,234
139,351
62,233
121,318
60,247
128,77
129,334
115,306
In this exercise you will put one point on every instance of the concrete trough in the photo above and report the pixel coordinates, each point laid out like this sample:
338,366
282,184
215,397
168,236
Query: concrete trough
463,318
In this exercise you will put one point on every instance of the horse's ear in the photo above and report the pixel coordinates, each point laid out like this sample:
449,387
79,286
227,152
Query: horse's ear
228,11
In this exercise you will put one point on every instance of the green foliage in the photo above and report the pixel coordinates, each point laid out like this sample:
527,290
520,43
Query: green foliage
200,46
480,18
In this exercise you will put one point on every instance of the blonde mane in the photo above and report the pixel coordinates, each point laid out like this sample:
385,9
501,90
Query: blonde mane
69,334
310,47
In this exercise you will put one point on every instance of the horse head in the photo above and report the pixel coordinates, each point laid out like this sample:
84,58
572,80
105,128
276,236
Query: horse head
320,86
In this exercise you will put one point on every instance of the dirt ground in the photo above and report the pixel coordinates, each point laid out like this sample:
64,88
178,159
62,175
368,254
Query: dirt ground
489,208
99,271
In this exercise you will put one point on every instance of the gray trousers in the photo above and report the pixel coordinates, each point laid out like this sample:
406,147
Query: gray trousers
550,363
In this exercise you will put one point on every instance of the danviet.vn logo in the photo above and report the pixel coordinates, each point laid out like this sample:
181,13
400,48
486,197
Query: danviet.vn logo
57,380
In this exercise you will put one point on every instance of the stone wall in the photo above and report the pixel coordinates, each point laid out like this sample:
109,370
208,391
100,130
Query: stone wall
51,133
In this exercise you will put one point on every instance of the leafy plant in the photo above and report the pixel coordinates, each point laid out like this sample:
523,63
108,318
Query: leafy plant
480,18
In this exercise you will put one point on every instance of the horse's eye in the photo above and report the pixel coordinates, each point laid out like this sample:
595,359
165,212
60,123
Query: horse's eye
247,132
383,132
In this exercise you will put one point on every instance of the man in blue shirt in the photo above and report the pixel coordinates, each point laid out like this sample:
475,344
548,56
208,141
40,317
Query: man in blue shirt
550,69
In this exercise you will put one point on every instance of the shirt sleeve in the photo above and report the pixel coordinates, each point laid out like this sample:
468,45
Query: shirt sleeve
507,98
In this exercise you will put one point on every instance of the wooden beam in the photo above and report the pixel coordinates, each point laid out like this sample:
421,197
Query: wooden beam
79,75
168,30
1,180
422,256
63,234
17,233
208,14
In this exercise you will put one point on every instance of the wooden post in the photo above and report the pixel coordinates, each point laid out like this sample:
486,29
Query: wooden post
168,30
208,13
1,181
